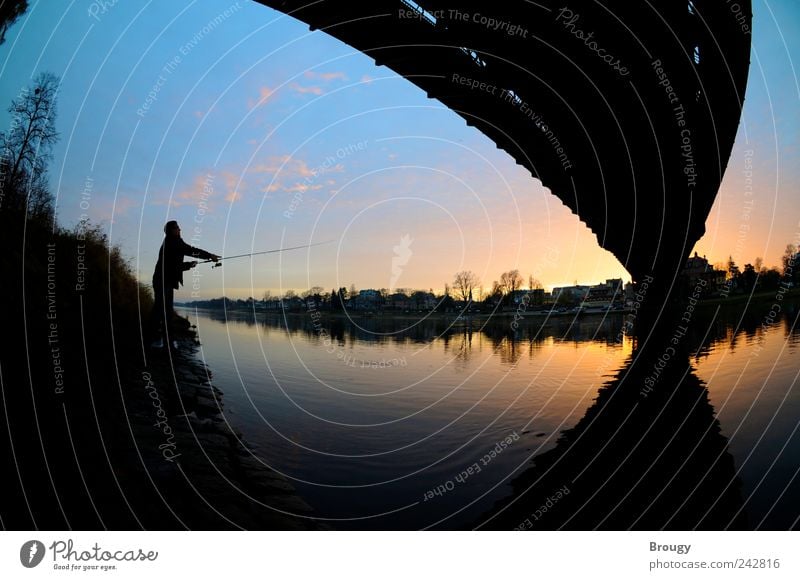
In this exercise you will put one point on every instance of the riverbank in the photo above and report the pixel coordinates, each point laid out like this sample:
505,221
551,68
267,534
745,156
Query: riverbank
756,298
207,474
538,313
102,434
415,316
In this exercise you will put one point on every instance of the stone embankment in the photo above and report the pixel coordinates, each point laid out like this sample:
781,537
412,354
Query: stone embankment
206,476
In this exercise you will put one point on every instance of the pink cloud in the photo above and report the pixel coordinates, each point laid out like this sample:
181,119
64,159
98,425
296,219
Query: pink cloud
301,187
233,186
123,204
314,90
285,165
264,94
325,76
271,165
202,189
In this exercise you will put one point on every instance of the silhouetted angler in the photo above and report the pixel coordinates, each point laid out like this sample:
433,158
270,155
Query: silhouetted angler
168,277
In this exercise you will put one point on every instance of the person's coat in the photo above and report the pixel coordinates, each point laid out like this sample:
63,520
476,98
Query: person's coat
170,265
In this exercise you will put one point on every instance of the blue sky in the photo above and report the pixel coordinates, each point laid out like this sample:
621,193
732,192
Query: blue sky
254,132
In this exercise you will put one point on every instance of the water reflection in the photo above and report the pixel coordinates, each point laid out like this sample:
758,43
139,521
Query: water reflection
608,447
638,459
461,332
651,454
734,327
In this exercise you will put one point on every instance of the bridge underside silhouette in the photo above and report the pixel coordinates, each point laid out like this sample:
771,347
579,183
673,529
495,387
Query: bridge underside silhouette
626,111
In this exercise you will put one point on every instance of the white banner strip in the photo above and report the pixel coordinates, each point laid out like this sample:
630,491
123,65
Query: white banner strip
401,555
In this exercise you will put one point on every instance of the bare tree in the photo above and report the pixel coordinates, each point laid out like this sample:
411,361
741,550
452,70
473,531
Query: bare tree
465,282
497,289
534,284
313,291
511,281
40,200
26,147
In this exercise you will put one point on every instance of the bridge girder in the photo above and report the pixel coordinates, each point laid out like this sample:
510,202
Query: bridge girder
626,111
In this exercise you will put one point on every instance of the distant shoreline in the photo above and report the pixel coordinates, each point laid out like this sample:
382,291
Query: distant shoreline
732,300
390,315
758,297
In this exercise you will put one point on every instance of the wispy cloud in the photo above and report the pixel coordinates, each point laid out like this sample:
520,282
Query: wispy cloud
123,203
321,78
298,88
201,189
325,76
284,164
234,186
264,95
301,187
292,174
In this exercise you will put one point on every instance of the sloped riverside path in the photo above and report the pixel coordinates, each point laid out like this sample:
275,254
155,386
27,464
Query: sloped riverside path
204,474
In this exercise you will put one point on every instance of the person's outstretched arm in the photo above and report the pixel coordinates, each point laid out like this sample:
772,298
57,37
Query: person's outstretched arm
197,253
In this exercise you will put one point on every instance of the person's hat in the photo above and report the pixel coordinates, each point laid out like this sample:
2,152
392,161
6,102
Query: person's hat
170,225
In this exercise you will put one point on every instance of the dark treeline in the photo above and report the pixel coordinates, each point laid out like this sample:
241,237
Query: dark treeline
755,277
72,327
464,294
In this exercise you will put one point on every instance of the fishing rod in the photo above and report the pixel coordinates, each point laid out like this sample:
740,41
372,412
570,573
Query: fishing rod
218,260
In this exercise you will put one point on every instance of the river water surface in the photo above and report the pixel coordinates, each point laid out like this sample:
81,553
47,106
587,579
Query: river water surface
386,423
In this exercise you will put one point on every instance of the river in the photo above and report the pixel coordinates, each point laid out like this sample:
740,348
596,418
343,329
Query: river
389,423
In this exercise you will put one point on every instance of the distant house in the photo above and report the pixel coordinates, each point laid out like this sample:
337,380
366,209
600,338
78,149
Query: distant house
292,304
570,293
399,301
605,294
421,300
367,300
697,268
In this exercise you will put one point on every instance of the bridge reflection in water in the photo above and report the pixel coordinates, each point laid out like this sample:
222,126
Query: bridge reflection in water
648,454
